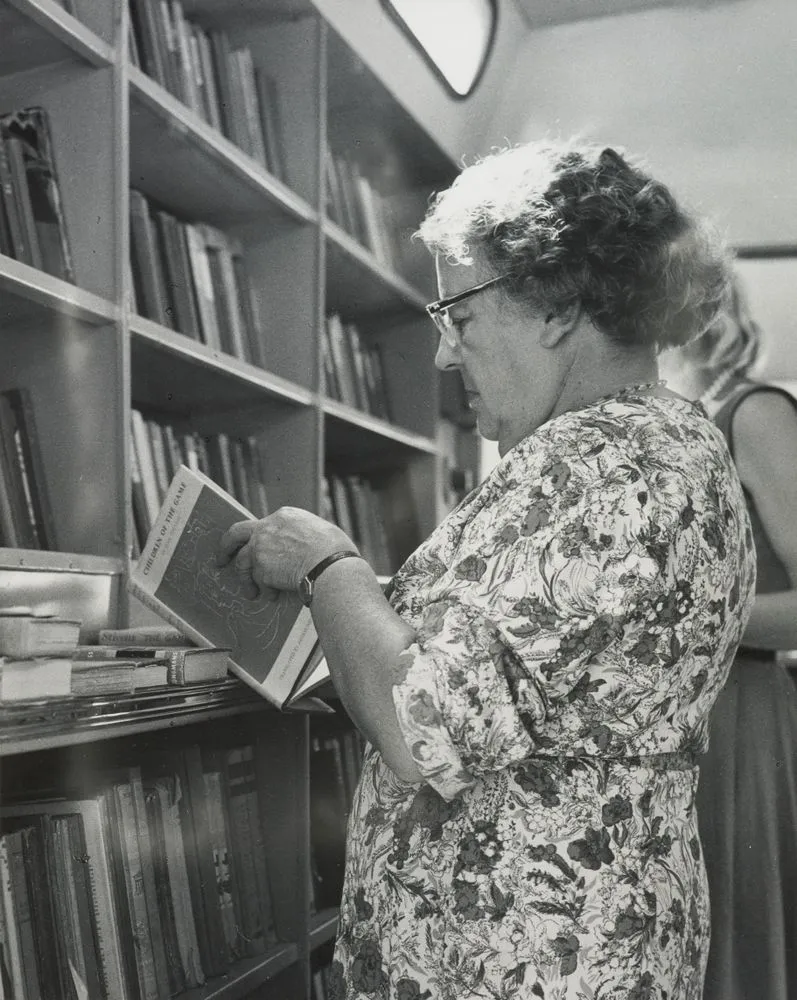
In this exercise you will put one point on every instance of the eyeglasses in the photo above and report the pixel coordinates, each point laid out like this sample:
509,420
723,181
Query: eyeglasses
441,317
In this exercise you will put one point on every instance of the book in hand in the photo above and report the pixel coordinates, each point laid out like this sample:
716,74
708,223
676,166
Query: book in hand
177,577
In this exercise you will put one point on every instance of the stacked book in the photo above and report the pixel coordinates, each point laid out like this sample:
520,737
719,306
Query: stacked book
216,79
147,887
158,451
131,659
25,516
194,279
32,227
357,206
353,368
41,657
35,655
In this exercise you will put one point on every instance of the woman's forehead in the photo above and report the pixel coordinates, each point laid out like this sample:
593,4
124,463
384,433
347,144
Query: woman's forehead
454,277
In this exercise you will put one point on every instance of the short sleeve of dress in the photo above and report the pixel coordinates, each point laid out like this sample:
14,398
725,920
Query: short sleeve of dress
543,581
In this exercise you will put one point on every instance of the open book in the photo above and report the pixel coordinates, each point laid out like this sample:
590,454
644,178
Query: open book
274,645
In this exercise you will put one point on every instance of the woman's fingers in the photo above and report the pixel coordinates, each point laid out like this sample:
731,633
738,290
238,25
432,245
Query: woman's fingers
236,536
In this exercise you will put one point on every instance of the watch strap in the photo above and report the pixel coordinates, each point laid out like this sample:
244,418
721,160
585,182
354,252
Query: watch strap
306,590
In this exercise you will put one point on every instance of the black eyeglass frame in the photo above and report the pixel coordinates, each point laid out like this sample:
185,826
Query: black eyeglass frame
436,309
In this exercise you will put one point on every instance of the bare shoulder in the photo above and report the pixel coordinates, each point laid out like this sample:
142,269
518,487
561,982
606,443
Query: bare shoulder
765,417
765,441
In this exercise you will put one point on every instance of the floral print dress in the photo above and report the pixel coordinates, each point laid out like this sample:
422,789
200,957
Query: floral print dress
575,617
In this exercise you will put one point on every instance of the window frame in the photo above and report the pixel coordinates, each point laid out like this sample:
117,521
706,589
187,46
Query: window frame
395,16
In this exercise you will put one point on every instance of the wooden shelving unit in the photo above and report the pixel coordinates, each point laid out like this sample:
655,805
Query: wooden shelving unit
87,358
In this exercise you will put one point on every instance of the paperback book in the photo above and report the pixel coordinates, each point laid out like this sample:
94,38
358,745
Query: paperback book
271,642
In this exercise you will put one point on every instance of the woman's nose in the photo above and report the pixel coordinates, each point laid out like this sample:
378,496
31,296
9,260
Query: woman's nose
447,357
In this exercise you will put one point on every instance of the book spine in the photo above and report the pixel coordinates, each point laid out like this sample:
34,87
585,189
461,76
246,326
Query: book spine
65,905
12,207
96,860
148,877
219,839
86,906
136,899
176,975
13,944
16,158
177,873
31,460
196,824
41,911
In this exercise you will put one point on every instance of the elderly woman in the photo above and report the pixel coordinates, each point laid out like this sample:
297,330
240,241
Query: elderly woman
536,687
747,794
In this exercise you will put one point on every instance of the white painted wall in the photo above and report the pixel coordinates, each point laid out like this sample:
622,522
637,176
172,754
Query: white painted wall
708,96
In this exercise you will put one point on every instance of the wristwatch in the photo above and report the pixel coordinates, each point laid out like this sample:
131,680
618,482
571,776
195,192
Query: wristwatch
306,584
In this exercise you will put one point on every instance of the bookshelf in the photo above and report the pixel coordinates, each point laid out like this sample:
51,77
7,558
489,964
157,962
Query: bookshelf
87,355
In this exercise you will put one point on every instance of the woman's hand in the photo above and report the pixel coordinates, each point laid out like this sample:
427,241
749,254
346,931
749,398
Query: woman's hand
276,552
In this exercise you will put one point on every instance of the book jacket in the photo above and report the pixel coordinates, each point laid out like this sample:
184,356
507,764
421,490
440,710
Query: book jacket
176,575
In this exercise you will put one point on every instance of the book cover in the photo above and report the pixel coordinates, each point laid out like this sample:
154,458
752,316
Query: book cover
177,577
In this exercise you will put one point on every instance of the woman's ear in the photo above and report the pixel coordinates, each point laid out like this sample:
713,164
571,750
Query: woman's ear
559,324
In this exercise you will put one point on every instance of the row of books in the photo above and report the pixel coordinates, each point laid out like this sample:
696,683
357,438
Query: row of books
146,888
158,451
357,206
353,368
335,764
42,658
193,278
32,228
217,80
25,515
363,512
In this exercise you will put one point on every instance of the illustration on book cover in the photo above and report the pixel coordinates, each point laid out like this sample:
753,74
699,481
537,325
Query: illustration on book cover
215,596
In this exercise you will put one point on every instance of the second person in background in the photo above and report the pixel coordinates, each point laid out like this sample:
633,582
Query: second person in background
536,688
747,794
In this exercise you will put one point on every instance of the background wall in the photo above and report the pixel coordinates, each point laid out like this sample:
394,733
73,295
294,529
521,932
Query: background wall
707,95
